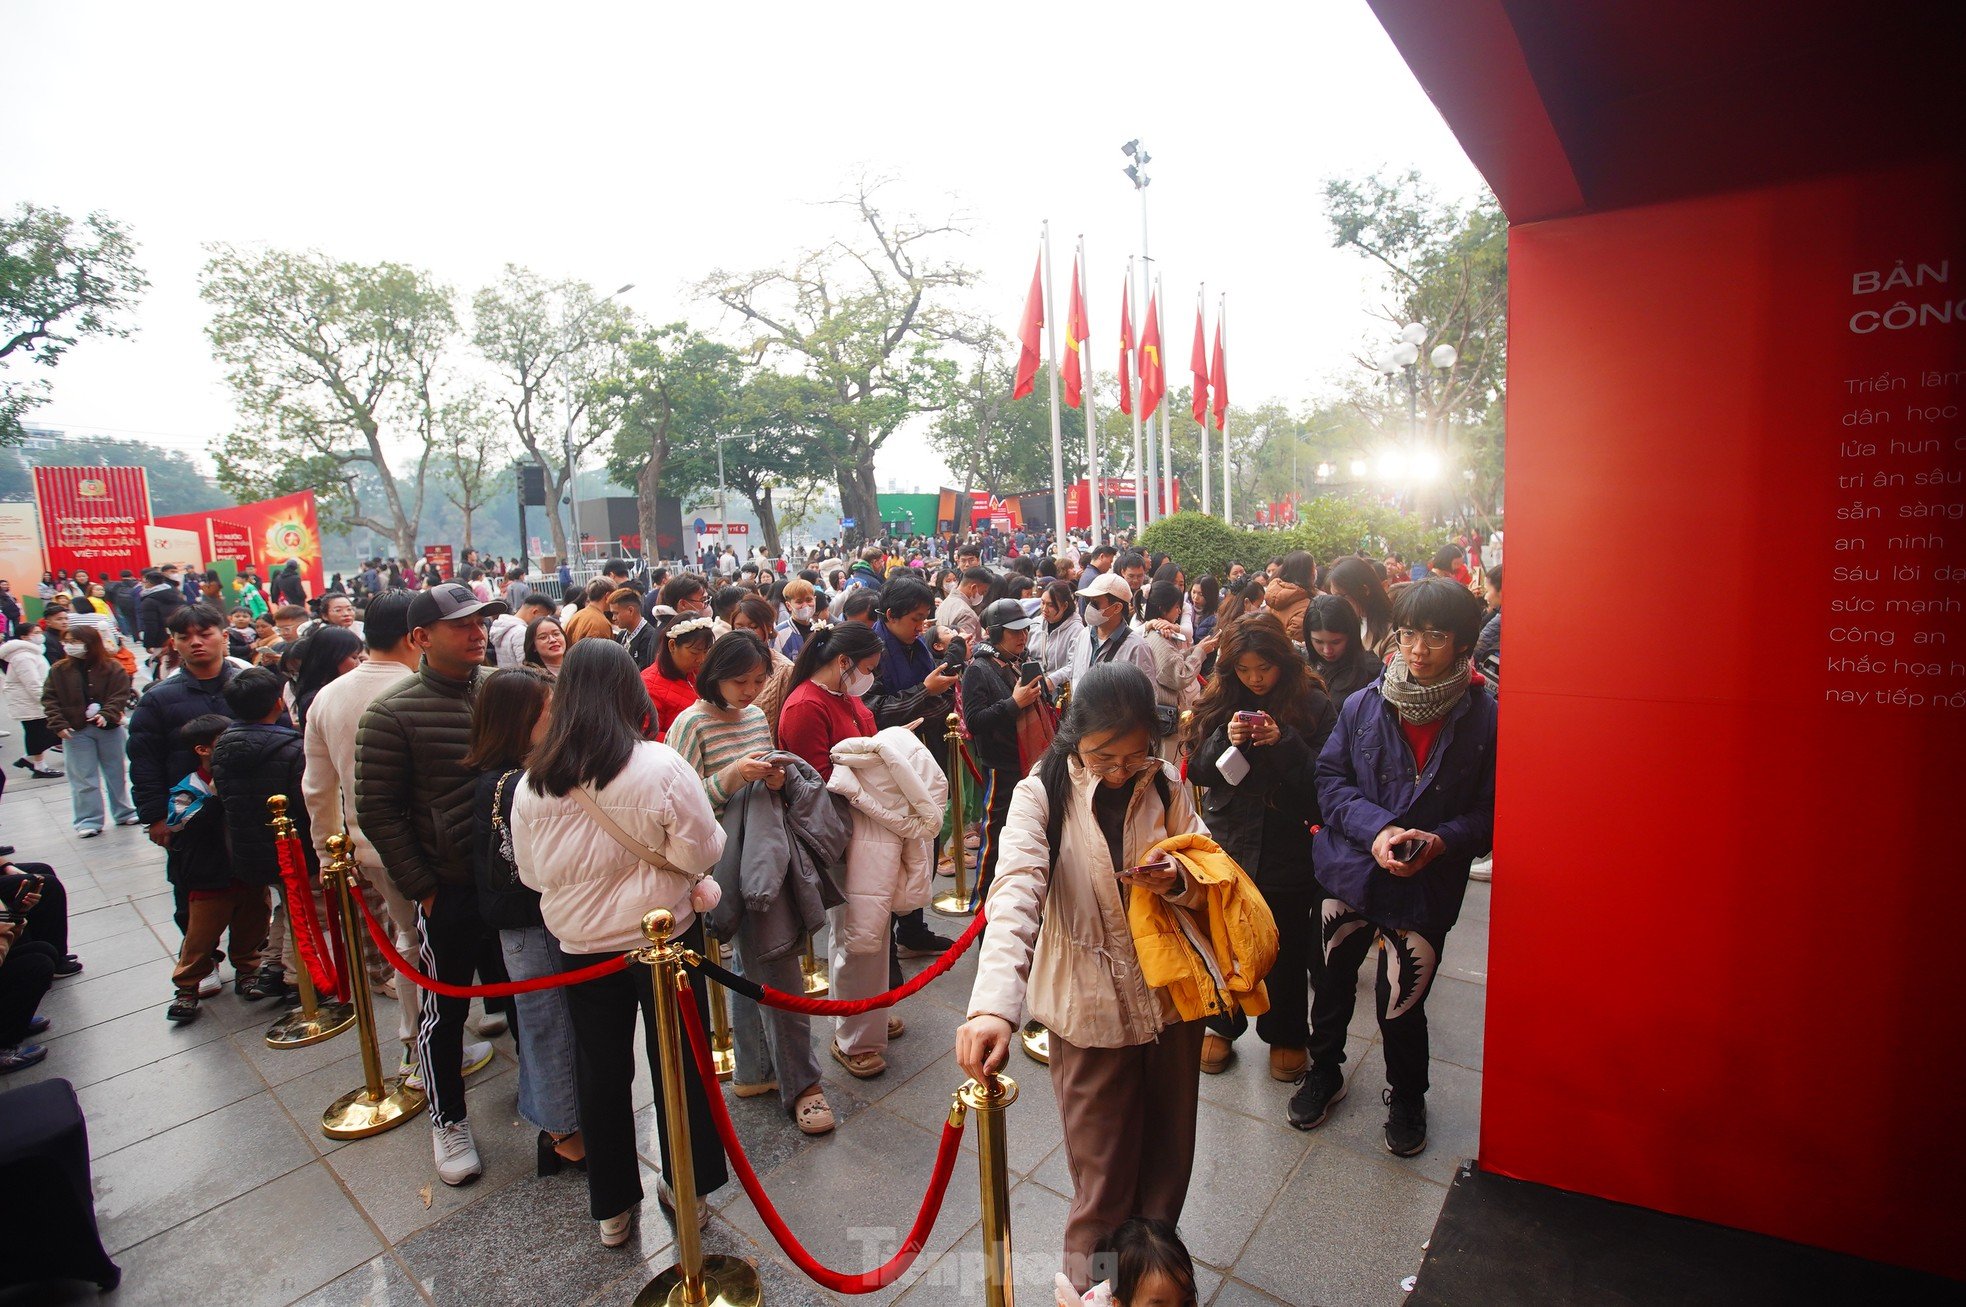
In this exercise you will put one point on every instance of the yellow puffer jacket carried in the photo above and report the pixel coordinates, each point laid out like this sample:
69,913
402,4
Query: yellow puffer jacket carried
1208,957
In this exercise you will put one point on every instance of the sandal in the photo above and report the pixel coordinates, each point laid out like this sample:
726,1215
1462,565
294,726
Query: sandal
743,1090
862,1066
813,1114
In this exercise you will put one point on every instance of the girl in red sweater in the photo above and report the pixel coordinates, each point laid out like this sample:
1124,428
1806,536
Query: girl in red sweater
671,679
823,707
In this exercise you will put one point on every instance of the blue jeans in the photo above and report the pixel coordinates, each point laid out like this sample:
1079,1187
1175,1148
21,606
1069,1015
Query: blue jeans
94,759
765,1041
544,1029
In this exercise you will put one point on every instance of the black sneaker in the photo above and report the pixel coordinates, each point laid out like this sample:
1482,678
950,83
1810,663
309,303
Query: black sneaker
928,944
1406,1124
1321,1089
68,966
262,984
183,1009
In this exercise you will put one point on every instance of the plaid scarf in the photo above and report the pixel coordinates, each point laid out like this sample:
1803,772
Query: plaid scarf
1417,703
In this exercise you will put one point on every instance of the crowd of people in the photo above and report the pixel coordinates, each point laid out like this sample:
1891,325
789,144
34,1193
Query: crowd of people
1196,800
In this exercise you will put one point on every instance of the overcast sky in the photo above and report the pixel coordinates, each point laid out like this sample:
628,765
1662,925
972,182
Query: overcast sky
649,143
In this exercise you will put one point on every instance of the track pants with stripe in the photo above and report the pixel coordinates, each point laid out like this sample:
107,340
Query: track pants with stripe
451,937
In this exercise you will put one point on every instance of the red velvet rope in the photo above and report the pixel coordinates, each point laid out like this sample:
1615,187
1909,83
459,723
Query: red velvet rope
505,989
308,944
839,1282
853,1007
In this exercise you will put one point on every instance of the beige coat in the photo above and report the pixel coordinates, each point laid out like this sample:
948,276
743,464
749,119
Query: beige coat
1058,933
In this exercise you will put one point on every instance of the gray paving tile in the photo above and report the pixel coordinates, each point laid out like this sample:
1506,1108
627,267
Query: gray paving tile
100,1052
1234,1293
388,1174
1037,1236
378,1282
95,997
306,1097
767,1133
104,957
1246,1086
263,1249
1343,1233
171,1177
1453,1118
87,926
852,1197
931,1033
1467,951
161,1095
1031,1123
719,1237
1240,1166
279,1065
1456,1011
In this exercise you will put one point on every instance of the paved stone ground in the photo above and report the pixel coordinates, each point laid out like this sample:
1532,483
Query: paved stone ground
213,1181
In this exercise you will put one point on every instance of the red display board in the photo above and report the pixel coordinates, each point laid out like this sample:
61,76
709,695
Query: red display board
229,541
1078,511
276,531
93,517
445,557
1722,981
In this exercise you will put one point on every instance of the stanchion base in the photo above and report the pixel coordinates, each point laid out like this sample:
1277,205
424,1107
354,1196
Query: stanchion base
817,986
1037,1042
727,1282
951,904
298,1030
356,1116
725,1060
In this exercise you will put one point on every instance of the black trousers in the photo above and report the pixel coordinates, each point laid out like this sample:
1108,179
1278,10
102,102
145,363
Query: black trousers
1300,960
1407,963
47,921
25,975
603,1014
452,933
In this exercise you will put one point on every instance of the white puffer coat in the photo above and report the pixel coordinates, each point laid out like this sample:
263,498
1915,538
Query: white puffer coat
27,672
897,792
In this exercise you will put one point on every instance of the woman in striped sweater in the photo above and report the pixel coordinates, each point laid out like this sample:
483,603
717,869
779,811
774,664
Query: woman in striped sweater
725,737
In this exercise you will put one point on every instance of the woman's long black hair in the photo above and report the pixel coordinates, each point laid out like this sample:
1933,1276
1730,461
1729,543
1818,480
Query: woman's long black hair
840,640
321,655
600,708
1106,697
1365,585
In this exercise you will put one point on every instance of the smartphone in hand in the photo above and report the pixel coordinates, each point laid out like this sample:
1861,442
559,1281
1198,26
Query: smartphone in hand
1407,850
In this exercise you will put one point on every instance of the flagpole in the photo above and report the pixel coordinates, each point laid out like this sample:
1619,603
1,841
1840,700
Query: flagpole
1201,298
1140,389
1164,456
1222,335
1057,438
1091,424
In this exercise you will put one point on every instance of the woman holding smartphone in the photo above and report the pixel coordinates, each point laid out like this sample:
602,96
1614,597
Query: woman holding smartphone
85,699
1261,800
1078,843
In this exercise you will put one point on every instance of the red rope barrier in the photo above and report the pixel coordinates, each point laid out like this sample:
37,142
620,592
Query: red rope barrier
308,944
838,1281
853,1007
504,989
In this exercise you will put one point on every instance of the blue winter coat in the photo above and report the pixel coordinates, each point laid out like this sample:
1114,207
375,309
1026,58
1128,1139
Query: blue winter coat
1366,782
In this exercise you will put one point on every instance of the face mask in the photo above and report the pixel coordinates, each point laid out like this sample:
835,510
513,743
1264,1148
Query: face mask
72,650
858,683
948,587
802,612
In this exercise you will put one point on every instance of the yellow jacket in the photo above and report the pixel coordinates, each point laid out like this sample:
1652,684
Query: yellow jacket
1212,956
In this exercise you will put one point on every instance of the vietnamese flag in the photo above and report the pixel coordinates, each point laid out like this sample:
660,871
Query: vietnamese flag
1198,364
1153,378
1030,334
1218,380
1075,334
1126,343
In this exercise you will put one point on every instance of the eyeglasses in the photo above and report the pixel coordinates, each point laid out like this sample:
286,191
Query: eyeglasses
1410,638
1101,765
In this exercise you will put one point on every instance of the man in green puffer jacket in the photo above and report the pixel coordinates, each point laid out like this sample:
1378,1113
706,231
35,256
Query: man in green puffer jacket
413,799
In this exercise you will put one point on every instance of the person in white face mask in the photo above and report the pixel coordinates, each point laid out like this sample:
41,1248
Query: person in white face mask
85,699
800,603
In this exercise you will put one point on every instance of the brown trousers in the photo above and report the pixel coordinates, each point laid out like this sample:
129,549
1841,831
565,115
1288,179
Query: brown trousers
1129,1116
240,912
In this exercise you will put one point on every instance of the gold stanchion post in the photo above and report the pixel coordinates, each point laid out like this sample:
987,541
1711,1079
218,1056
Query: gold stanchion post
955,902
817,985
695,1280
723,1054
380,1103
313,1021
988,1100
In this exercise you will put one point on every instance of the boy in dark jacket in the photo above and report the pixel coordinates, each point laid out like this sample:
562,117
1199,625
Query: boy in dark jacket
254,760
1406,785
994,697
220,905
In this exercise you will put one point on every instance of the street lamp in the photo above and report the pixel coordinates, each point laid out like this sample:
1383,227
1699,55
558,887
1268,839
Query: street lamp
1146,487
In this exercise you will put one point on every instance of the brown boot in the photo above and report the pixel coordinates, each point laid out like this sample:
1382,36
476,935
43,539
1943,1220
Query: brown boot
1215,1053
1287,1064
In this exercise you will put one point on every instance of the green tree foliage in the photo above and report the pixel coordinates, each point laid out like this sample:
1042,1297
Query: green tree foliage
1327,527
672,389
60,280
334,367
867,318
554,345
1446,267
991,441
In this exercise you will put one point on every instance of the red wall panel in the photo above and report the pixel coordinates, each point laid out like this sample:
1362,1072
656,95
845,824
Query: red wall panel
1728,909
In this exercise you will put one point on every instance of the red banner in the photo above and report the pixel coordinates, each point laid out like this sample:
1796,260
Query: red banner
93,517
1078,513
997,512
229,540
275,531
445,556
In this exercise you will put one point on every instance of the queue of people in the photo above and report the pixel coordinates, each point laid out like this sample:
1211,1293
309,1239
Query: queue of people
1198,802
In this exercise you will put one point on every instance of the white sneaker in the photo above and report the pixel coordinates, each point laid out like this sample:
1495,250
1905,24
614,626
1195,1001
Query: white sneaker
492,1025
667,1197
1483,869
456,1153
614,1230
210,987
411,1071
477,1056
